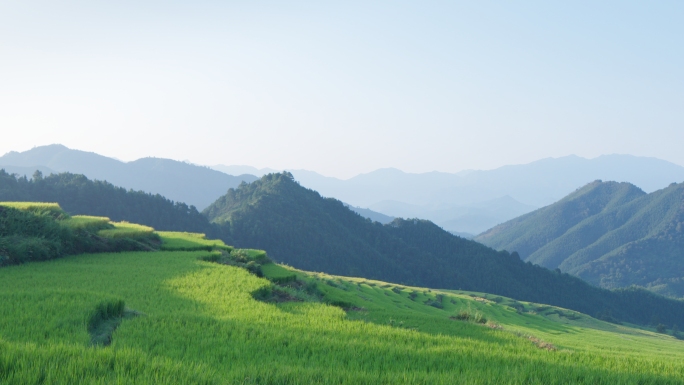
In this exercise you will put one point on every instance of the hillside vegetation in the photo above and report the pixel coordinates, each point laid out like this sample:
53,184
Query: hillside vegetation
42,231
304,230
172,317
610,234
77,194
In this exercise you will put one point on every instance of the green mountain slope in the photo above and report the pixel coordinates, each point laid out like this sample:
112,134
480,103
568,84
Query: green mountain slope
526,234
637,239
304,230
173,317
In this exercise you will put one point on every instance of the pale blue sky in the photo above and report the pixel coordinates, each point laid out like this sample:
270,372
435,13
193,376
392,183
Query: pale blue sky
346,87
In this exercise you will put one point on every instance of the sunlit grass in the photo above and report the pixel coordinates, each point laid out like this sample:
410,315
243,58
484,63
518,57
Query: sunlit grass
52,209
182,241
126,230
199,323
86,222
31,205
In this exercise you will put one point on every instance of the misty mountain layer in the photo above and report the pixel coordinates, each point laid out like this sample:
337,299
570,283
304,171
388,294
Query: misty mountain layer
474,201
178,181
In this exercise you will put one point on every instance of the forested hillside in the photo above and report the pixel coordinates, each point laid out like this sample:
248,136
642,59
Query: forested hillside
529,232
76,194
610,234
304,230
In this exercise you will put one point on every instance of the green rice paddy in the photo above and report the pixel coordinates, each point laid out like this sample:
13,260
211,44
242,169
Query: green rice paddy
86,222
182,241
32,205
37,207
126,230
198,322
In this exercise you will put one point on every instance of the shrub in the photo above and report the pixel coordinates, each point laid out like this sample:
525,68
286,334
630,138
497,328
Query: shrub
254,268
283,280
465,315
105,311
263,293
462,316
311,287
437,302
479,318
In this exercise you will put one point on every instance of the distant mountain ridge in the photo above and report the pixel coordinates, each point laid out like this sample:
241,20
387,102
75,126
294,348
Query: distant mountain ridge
476,217
610,234
243,169
372,215
178,181
476,200
468,202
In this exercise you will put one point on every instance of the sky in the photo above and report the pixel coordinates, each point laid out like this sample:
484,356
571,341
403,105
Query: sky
343,88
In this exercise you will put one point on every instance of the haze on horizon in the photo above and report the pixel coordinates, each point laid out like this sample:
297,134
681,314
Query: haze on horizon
344,88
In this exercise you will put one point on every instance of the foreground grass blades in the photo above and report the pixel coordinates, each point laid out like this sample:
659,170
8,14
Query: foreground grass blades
199,323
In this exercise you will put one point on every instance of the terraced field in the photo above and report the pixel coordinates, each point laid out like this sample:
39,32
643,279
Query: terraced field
189,320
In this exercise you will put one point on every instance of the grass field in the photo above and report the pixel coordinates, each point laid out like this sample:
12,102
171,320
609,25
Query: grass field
32,205
182,241
198,322
126,230
52,209
86,222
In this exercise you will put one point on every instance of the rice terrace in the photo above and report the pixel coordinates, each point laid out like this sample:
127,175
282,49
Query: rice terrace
341,192
185,309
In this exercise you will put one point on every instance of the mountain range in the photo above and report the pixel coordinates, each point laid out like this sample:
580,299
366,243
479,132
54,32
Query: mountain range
607,233
178,181
464,203
475,200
